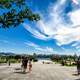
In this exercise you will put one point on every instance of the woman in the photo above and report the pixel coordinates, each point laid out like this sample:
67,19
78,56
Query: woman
30,65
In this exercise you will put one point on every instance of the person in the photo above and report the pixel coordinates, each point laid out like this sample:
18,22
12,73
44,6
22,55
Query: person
43,62
9,62
30,65
78,66
62,63
24,64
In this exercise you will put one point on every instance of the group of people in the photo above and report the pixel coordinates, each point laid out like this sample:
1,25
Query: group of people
26,63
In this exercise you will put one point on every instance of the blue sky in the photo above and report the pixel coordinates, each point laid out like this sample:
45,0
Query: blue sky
58,31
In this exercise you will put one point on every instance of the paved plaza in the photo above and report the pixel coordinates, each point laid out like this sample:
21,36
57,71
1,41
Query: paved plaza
39,72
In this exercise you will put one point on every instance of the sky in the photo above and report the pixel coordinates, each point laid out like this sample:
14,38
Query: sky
57,32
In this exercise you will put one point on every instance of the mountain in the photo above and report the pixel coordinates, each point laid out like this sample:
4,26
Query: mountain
7,54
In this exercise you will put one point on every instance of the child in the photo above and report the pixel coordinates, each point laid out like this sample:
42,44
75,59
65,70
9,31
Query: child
30,65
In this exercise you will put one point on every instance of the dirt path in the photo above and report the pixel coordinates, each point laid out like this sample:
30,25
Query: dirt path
39,72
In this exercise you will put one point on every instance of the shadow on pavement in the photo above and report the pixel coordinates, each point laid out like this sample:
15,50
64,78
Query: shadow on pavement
77,79
75,74
17,68
20,72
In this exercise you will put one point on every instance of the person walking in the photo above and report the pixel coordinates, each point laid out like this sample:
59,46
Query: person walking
9,62
78,66
24,64
30,65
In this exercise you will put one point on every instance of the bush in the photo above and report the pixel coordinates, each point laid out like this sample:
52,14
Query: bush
35,60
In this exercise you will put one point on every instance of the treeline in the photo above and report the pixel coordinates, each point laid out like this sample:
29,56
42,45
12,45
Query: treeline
68,60
15,58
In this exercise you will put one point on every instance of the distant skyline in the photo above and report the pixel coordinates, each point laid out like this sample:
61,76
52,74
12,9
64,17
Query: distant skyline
58,31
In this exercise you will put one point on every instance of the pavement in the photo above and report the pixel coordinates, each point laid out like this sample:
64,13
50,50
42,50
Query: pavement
39,71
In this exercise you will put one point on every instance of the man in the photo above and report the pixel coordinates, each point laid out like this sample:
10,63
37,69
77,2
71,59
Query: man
24,63
78,66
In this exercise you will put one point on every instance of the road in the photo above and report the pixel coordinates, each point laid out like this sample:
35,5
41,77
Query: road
39,72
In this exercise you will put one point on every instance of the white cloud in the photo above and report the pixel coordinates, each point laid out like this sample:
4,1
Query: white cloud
68,35
31,44
77,47
75,17
56,28
35,33
74,45
76,1
49,49
46,49
39,48
4,41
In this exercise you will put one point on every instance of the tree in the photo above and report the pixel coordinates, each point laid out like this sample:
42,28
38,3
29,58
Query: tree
17,57
35,57
14,12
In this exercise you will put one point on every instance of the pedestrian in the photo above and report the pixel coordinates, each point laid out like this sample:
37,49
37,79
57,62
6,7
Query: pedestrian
9,62
78,66
24,64
30,65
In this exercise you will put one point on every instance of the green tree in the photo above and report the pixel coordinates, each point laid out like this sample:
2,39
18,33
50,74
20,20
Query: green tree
14,12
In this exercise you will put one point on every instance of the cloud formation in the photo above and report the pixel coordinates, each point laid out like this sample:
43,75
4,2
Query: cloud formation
39,48
31,44
64,27
76,1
